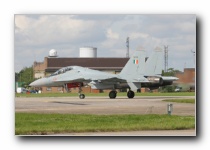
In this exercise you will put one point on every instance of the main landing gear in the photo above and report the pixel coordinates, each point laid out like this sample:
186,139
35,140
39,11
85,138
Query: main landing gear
113,94
130,94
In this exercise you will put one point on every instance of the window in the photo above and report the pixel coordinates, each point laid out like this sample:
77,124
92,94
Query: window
49,89
59,88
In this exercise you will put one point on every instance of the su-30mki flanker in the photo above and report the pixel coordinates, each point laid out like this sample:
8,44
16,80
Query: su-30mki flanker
137,73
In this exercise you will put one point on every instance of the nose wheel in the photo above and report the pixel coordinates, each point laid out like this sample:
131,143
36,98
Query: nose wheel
81,96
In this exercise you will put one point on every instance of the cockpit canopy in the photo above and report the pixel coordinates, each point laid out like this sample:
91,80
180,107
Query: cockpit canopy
62,70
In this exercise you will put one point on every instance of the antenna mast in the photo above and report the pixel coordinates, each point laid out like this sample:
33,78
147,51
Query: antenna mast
166,57
127,45
193,55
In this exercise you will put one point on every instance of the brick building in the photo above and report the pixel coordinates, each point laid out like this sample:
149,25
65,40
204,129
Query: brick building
187,78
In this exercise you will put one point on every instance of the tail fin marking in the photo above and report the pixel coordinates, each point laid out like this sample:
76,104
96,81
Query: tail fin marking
135,66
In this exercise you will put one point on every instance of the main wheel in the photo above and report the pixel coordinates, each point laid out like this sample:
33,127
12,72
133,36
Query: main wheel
112,94
82,96
130,94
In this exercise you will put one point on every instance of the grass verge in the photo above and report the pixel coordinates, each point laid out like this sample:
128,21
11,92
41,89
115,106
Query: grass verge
42,124
191,101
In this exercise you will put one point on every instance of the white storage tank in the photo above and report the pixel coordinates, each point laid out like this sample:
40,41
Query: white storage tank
88,52
53,53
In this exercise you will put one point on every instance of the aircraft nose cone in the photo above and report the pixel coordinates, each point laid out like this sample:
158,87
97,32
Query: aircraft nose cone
34,84
38,83
31,84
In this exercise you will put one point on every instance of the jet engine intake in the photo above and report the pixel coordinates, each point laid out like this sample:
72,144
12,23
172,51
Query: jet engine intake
74,85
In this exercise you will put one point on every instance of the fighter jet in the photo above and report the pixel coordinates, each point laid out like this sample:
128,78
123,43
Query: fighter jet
136,74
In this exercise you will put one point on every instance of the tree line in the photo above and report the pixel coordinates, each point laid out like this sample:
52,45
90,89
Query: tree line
25,76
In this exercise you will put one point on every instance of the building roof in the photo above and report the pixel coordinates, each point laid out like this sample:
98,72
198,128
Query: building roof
93,63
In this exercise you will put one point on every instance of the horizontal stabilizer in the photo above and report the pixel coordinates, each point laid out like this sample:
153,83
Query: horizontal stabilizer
169,78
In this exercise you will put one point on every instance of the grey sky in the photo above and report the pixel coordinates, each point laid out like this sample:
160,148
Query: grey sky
35,35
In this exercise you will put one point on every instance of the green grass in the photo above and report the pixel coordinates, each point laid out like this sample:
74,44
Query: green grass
42,124
192,101
104,94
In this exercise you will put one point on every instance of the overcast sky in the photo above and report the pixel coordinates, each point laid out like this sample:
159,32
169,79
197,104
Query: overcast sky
36,35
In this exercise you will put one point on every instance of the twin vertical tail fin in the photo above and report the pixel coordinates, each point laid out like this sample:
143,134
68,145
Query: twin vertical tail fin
136,70
154,63
135,66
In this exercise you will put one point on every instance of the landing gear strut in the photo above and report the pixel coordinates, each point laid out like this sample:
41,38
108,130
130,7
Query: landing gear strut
112,94
81,96
130,94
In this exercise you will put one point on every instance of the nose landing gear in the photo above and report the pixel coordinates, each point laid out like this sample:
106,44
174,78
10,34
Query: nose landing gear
81,96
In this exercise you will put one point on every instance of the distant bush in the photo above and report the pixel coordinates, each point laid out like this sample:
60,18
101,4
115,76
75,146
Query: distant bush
168,88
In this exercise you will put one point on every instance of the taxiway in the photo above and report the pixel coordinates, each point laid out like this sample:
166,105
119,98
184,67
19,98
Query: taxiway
103,105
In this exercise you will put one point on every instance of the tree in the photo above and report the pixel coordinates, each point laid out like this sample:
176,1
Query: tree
25,75
170,72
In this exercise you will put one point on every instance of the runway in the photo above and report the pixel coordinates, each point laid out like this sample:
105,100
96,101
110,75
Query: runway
104,105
